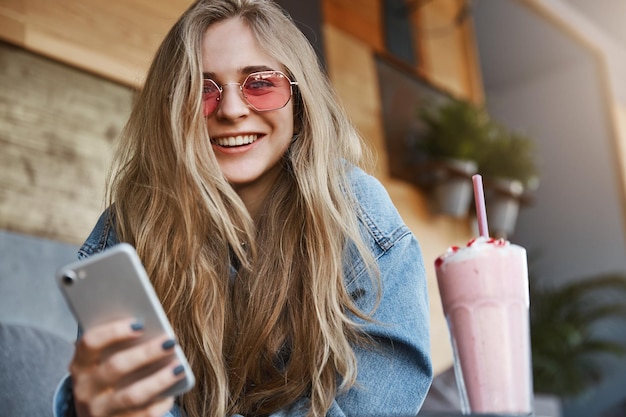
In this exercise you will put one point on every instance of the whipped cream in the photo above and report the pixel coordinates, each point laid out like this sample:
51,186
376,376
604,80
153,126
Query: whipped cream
481,243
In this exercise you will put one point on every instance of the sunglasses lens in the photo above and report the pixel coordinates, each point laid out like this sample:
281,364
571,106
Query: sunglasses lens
210,96
267,90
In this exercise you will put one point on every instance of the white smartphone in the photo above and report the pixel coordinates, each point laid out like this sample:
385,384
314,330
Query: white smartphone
113,285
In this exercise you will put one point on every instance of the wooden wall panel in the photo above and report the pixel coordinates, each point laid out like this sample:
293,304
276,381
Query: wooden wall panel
447,53
115,38
57,128
361,19
447,49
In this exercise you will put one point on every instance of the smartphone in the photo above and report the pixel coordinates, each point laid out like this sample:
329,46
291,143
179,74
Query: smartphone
113,285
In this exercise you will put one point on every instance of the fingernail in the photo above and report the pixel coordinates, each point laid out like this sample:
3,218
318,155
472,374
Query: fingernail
179,370
168,344
136,326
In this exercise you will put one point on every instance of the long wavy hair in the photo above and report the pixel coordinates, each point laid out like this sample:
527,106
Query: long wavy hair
259,304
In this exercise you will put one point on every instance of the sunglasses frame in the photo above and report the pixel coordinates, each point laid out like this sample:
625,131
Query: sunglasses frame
220,88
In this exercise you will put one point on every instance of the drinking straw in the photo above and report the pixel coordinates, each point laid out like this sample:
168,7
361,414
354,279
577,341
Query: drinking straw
481,212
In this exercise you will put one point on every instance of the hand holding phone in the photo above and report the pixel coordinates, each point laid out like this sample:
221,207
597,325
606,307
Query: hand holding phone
111,286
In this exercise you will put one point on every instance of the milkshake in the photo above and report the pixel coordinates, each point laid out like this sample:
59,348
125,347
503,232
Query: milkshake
484,293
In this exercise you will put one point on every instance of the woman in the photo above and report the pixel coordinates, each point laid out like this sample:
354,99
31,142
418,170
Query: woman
290,280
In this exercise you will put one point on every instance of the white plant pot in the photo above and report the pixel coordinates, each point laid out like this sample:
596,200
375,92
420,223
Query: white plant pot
453,189
502,205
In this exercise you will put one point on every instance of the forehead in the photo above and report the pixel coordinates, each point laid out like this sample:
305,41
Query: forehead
229,48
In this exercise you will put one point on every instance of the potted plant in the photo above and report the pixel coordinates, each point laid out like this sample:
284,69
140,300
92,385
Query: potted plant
452,136
510,170
565,345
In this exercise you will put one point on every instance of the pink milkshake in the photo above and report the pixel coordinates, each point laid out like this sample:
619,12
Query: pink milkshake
484,293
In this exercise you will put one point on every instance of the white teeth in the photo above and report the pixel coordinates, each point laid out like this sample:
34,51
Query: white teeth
236,140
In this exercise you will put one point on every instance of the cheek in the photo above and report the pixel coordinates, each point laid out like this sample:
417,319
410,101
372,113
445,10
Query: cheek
287,118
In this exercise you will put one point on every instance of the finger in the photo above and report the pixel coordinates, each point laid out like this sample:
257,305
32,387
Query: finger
91,345
157,409
146,391
101,407
123,363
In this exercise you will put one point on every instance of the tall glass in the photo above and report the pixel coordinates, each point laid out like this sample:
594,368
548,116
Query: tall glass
484,293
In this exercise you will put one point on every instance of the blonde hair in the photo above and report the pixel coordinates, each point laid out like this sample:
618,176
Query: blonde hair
288,300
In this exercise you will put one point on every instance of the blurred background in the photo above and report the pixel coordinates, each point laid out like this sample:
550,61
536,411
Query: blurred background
552,71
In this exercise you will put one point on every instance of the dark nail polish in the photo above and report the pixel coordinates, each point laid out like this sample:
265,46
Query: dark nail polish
136,326
179,370
168,344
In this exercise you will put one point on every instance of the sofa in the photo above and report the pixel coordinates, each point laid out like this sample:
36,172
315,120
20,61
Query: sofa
37,329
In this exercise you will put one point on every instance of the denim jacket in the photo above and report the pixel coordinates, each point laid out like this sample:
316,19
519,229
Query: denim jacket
395,373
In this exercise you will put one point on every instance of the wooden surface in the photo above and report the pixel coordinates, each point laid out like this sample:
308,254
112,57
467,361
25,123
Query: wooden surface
57,127
361,19
447,48
115,38
446,51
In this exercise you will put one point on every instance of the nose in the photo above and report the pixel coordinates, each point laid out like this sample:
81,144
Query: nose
232,104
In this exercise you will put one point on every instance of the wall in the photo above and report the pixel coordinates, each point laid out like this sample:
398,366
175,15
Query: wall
57,128
115,39
444,35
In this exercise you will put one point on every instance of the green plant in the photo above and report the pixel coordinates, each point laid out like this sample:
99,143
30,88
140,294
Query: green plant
509,155
456,129
565,348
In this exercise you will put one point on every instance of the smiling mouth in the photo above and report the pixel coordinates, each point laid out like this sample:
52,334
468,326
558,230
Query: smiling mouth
231,141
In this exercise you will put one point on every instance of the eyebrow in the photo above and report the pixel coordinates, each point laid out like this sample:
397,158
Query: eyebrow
245,70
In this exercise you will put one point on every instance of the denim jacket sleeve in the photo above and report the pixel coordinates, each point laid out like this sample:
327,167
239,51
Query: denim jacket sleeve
101,237
395,373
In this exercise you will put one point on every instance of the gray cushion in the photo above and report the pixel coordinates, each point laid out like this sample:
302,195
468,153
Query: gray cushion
32,363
